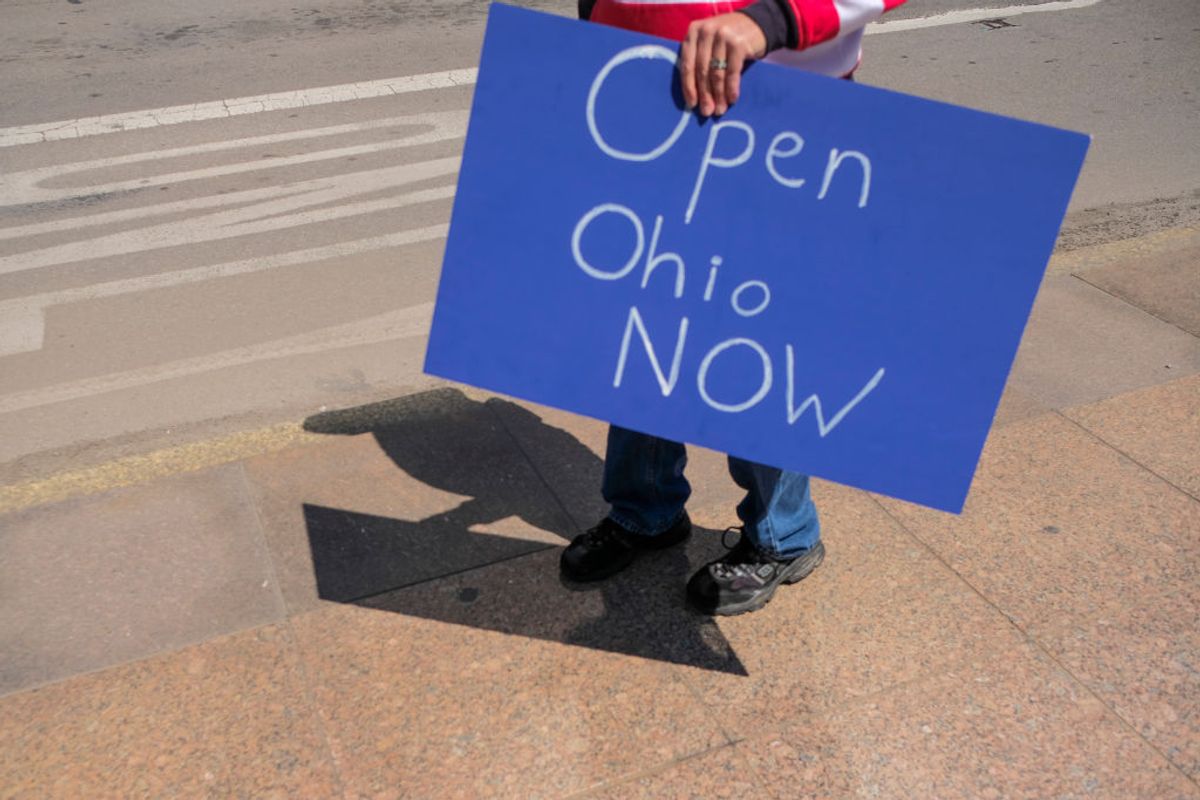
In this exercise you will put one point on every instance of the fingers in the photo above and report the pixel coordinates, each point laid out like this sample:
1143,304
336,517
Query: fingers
687,65
731,38
702,68
733,75
717,75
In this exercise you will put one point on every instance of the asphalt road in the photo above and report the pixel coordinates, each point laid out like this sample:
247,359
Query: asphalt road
202,273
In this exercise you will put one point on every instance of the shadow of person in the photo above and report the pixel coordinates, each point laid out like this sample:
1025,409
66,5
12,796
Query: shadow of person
459,567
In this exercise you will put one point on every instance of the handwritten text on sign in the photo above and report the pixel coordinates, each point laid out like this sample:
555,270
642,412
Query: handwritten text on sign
785,145
830,278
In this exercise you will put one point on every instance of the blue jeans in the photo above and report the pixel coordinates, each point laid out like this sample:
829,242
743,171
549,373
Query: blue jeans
646,491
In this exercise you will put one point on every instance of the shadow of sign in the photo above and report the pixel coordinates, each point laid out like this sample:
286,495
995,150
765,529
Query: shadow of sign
452,567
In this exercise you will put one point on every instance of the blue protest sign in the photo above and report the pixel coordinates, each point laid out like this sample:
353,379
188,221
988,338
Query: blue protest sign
831,278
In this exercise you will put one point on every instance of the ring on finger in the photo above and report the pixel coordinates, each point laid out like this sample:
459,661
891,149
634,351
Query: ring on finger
718,64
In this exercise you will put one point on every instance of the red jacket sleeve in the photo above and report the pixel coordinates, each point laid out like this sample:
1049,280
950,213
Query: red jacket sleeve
799,24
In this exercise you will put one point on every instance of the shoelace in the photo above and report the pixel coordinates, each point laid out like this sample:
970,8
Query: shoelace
599,535
738,529
736,569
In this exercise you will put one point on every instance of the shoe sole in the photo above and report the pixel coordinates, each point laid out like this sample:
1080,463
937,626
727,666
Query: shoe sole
804,567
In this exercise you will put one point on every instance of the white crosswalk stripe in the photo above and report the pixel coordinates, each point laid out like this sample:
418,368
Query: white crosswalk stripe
65,228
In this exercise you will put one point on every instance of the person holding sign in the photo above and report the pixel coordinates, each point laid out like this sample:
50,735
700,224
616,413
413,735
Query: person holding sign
644,481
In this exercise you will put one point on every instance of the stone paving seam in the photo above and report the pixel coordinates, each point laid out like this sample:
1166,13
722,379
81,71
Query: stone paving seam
1097,437
938,557
657,769
782,731
260,539
1037,645
681,676
166,651
779,729
1126,724
525,455
277,616
1083,278
1092,435
305,680
298,665
227,713
665,766
1062,627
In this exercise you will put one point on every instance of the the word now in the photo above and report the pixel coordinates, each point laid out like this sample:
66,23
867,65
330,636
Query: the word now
667,381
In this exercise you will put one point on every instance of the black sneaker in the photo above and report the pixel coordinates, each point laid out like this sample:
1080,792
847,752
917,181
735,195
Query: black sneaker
745,578
608,548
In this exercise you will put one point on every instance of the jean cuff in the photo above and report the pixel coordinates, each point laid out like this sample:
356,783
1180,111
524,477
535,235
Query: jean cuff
629,526
770,552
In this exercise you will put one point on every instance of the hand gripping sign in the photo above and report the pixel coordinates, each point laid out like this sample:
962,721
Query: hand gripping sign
830,278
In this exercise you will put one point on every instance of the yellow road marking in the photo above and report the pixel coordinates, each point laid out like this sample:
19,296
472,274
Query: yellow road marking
1098,255
150,466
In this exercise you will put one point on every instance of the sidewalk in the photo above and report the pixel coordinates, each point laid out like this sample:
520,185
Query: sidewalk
374,609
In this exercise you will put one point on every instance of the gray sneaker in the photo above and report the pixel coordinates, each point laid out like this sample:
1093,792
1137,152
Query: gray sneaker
745,578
